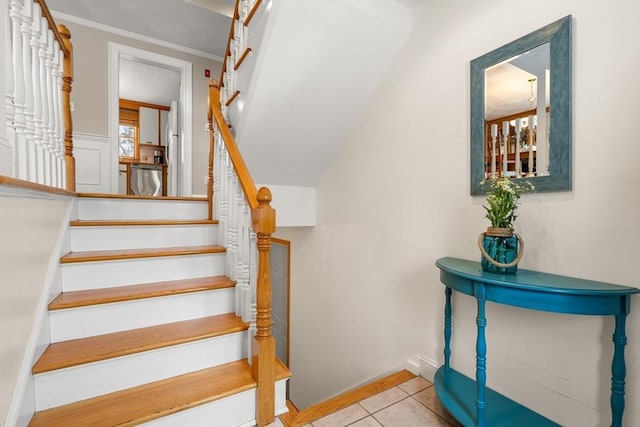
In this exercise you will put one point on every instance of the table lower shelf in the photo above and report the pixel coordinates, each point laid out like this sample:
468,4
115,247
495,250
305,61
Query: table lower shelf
457,393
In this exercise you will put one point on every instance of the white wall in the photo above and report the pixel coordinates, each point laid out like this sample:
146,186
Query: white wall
365,294
295,206
29,228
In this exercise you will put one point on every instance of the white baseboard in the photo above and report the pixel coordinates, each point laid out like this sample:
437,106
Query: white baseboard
421,365
418,365
428,367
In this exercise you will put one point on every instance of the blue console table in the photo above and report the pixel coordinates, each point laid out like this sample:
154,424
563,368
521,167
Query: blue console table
470,401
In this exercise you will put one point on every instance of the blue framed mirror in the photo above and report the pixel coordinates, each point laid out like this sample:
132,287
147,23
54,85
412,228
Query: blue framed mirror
521,110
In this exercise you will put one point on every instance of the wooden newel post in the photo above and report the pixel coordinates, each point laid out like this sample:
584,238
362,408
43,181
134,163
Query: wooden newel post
263,348
67,80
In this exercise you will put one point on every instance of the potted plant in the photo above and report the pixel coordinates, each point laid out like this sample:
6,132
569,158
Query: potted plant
500,246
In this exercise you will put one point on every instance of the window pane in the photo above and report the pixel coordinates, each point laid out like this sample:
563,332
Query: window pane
127,141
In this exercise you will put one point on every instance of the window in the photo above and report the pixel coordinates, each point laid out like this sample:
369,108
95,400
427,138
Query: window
127,136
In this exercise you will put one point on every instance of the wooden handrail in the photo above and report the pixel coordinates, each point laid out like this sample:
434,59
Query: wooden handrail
227,51
52,24
252,12
248,186
244,55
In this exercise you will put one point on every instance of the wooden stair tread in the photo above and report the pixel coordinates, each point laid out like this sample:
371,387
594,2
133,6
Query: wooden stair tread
91,349
87,256
154,400
129,196
123,223
134,292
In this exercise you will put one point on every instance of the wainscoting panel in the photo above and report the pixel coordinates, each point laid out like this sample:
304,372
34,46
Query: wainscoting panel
92,163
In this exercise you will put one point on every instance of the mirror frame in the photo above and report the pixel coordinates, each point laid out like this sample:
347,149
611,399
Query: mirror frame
558,34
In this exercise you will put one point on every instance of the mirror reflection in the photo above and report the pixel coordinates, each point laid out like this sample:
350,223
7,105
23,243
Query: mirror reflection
520,110
517,115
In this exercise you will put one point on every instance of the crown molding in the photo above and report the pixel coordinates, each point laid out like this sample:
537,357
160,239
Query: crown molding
135,36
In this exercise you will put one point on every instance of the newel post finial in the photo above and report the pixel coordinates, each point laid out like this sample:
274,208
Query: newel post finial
263,351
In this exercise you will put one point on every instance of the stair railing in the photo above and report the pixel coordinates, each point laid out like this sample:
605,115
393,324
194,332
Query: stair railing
35,136
236,52
246,221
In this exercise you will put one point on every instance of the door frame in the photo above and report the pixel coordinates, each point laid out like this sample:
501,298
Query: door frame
117,51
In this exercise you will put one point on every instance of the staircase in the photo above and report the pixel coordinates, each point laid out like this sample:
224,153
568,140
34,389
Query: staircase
144,331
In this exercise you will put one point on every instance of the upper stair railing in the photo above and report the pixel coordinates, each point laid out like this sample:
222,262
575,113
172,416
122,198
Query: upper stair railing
246,221
237,51
35,136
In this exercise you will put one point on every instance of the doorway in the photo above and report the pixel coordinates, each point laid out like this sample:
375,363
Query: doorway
119,53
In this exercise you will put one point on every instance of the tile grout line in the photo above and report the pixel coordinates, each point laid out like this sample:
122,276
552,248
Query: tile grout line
407,394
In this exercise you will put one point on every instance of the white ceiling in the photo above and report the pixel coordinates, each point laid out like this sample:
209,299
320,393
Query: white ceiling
201,25
507,85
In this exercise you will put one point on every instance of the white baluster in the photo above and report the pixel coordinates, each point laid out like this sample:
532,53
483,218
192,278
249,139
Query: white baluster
48,91
216,171
240,201
245,259
8,87
230,78
224,197
39,107
52,87
505,139
243,10
237,40
253,275
518,147
27,69
225,112
232,249
19,121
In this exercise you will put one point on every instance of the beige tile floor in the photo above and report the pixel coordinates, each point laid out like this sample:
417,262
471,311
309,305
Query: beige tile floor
410,404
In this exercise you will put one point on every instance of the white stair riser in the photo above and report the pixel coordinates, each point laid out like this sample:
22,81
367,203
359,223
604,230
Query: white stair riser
82,382
108,274
132,237
140,209
102,319
233,411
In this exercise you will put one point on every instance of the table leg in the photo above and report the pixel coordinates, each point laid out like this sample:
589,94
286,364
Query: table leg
618,371
447,328
481,355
